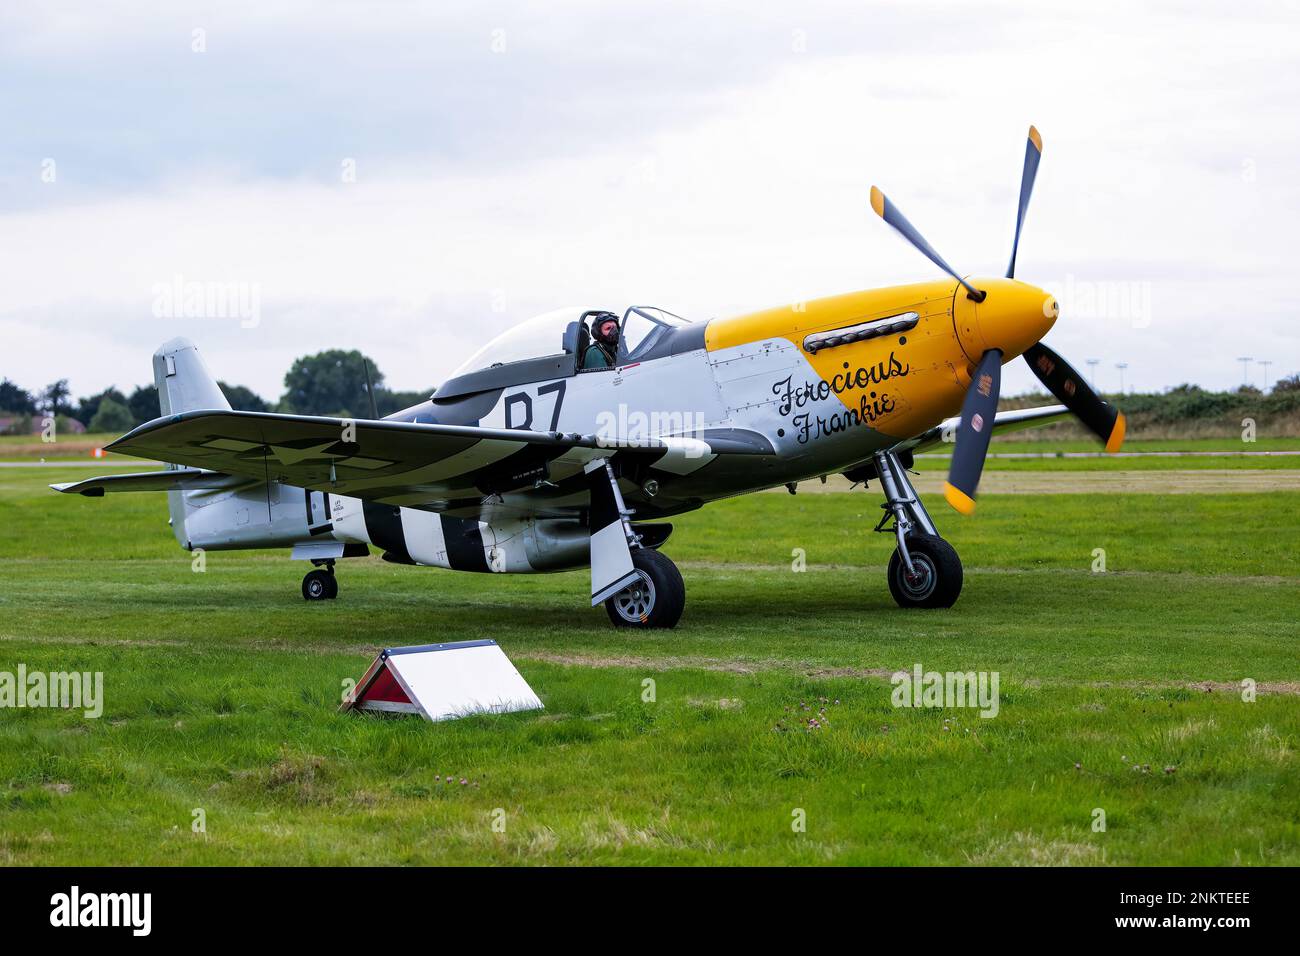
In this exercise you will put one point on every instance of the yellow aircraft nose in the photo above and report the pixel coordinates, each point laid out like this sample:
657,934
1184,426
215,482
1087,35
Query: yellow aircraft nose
1013,316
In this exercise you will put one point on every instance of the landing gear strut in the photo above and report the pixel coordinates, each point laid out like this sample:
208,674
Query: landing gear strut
320,584
639,586
924,570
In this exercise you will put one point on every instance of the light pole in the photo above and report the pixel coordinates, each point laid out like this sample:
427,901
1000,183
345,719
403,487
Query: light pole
1266,363
1121,366
1245,361
1092,370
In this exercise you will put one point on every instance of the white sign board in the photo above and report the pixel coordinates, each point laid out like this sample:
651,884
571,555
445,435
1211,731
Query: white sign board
443,681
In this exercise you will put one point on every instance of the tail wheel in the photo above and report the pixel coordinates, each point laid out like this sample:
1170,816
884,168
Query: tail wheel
656,599
936,576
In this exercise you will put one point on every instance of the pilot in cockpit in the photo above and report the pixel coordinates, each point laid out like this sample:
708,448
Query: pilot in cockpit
603,349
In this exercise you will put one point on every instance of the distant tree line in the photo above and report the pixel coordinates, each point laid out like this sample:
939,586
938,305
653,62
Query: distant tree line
1183,402
331,383
1190,411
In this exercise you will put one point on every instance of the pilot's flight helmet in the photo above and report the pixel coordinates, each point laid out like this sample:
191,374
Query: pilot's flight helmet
604,328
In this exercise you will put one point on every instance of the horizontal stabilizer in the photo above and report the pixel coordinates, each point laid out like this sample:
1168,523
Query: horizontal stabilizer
178,479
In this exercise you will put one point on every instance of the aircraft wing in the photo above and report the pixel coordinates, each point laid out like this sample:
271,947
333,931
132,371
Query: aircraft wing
1008,421
176,479
404,463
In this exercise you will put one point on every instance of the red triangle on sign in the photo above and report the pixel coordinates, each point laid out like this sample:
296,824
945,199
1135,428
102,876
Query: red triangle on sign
385,687
380,690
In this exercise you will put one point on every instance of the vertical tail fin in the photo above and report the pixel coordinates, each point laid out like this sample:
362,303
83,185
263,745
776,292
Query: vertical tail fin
184,385
183,380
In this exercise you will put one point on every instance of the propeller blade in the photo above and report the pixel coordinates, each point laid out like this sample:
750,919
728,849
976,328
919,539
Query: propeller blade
973,433
1033,153
887,211
1101,418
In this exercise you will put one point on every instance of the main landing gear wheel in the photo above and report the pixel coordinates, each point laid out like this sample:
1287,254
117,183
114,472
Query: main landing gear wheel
320,585
936,575
655,600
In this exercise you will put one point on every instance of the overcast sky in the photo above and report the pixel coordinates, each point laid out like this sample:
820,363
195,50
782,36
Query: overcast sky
410,178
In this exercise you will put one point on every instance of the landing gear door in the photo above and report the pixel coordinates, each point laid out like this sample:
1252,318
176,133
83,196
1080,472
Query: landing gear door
318,512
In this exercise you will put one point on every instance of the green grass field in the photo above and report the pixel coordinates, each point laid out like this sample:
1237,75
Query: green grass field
1120,691
64,448
1138,454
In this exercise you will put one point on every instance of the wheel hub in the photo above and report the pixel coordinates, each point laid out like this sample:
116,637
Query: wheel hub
920,581
635,602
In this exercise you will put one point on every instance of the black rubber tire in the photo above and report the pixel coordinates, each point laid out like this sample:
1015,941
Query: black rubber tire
667,593
938,562
319,585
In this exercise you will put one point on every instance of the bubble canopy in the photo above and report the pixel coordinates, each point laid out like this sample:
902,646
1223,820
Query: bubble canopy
543,335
